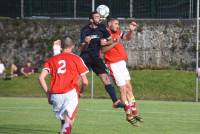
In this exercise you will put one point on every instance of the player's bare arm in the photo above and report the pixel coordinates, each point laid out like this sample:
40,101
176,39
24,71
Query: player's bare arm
43,83
85,44
132,27
108,47
107,42
84,84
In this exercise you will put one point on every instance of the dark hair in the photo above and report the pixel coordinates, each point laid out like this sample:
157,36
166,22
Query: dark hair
67,42
111,19
92,13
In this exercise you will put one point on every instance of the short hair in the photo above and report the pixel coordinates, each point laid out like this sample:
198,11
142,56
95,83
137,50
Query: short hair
111,19
67,42
92,13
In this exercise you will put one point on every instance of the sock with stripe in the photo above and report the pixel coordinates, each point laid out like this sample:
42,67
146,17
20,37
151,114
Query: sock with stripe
133,105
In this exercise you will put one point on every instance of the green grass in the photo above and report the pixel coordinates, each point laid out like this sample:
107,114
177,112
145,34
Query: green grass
148,84
34,116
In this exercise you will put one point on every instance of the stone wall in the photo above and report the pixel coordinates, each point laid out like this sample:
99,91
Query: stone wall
156,44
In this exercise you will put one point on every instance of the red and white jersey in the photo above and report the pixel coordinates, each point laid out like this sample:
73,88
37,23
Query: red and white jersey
65,70
118,52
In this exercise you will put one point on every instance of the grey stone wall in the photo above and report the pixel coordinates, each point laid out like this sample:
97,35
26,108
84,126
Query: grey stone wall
163,44
156,44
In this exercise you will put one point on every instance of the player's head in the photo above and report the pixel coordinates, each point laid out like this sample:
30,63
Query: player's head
67,42
95,18
113,24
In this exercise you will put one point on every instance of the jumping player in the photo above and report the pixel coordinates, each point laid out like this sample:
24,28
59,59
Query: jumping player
115,56
90,38
66,69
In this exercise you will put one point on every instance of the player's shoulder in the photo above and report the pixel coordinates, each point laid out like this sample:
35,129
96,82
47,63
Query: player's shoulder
53,58
102,26
74,56
86,27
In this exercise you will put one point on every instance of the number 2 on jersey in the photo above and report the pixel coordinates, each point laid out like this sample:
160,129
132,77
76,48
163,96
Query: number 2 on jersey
62,67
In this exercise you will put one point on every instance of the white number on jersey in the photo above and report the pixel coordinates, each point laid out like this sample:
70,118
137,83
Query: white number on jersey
62,68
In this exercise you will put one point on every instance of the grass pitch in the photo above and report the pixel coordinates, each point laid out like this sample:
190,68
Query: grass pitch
34,116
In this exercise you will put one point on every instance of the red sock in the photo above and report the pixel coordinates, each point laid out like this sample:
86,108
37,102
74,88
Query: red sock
68,129
127,109
133,107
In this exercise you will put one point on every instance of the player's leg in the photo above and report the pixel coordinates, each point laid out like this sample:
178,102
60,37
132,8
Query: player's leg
123,94
69,110
120,79
123,73
132,101
67,126
127,108
131,97
110,90
62,122
57,103
100,69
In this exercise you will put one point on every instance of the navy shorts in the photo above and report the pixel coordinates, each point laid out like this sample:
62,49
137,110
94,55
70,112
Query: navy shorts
95,63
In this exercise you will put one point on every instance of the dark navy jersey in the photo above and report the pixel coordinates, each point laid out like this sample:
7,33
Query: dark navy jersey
96,34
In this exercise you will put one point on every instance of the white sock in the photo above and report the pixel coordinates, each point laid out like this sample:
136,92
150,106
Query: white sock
63,129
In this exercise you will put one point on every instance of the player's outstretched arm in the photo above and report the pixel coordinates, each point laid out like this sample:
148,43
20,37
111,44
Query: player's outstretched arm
132,27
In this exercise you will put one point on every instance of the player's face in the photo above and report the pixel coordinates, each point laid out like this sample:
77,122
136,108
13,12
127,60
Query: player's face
96,18
114,25
28,64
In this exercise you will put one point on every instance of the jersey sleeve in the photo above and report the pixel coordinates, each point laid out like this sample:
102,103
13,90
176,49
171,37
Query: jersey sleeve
81,67
82,35
46,66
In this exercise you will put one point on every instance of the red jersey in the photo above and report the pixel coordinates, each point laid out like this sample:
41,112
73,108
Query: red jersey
118,52
65,70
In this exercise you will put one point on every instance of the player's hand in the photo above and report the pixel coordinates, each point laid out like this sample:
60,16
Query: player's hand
57,43
49,98
103,42
87,39
132,26
81,95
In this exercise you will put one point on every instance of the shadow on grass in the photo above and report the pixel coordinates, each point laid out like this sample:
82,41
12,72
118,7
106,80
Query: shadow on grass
23,130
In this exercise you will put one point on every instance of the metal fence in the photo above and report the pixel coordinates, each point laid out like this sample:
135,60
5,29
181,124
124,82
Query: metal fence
82,8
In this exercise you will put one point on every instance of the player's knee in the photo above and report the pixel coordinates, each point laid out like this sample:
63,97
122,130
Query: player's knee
123,89
105,79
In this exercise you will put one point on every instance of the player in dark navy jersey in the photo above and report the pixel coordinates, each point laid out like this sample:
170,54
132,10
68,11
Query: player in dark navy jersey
93,37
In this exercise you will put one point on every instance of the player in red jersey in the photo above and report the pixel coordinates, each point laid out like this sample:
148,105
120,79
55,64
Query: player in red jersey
66,69
115,56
